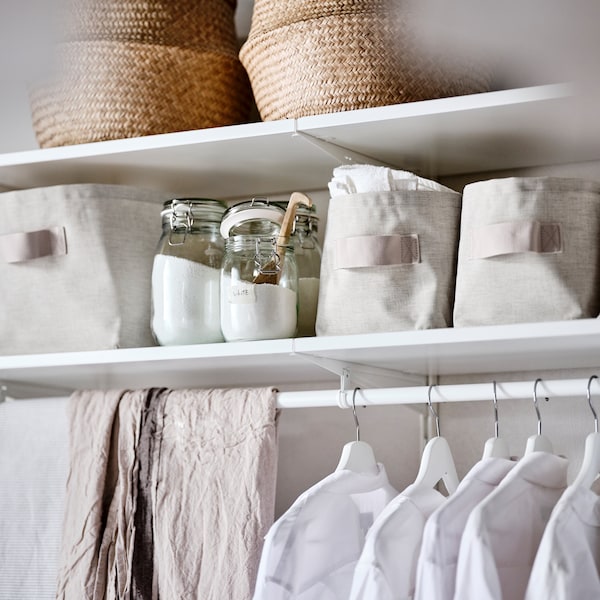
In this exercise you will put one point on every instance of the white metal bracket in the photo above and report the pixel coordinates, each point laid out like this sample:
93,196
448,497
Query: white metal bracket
21,389
341,154
365,376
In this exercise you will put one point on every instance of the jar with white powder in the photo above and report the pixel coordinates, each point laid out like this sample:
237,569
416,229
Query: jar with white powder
307,250
186,273
259,279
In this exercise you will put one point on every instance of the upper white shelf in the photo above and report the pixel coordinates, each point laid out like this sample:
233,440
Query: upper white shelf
498,130
302,363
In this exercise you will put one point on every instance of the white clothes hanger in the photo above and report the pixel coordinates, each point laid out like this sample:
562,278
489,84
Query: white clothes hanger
437,463
358,456
590,467
496,447
539,442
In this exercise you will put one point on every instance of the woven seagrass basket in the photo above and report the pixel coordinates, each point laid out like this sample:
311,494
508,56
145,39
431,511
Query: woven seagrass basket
142,67
307,57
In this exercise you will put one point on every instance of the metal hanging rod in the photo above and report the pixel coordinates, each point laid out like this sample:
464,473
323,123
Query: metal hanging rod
470,392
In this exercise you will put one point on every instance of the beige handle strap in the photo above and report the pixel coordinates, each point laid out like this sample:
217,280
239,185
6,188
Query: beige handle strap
24,246
515,237
377,250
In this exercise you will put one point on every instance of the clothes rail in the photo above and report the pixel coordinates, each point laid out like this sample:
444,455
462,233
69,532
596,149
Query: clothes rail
470,392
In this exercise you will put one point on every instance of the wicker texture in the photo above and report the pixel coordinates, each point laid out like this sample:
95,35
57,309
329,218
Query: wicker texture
130,68
200,24
344,55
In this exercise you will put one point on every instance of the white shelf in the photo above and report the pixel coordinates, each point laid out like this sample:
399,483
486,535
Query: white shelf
509,129
467,134
290,364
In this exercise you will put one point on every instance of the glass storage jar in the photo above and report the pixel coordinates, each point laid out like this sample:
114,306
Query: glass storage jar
259,279
307,250
186,273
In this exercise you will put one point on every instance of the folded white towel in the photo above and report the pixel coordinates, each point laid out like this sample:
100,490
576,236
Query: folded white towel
33,474
358,179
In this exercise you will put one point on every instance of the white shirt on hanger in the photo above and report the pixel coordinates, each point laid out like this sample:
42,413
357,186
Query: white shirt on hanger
503,532
568,560
387,566
310,552
436,568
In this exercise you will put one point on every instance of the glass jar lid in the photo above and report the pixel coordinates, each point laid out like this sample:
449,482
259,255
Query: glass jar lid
184,211
253,217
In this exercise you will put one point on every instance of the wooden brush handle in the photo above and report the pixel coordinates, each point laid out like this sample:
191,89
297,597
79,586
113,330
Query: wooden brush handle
290,214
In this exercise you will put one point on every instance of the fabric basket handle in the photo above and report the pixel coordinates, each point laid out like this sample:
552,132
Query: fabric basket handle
514,238
377,250
29,245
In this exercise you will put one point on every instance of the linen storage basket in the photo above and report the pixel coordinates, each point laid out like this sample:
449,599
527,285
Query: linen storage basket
128,69
307,57
75,268
529,251
388,262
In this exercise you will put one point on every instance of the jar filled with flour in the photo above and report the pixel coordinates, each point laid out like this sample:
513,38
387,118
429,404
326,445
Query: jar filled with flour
186,273
259,279
307,250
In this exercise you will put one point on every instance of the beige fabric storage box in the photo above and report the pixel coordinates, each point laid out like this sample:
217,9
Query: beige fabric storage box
529,251
75,268
388,262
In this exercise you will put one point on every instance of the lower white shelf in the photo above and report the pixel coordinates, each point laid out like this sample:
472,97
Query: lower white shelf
305,363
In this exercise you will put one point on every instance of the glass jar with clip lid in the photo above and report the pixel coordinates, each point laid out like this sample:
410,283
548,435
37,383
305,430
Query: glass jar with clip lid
186,273
307,249
259,279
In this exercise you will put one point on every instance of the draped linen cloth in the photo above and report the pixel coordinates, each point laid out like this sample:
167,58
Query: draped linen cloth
97,527
215,491
170,493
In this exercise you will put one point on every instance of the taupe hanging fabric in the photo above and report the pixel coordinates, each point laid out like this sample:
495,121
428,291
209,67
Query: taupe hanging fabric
100,496
389,259
528,251
215,491
170,493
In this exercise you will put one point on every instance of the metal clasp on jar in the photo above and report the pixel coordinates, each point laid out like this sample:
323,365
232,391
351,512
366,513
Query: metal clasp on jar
272,265
177,227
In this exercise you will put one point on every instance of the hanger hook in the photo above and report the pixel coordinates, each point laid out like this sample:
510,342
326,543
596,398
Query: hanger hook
537,409
354,413
435,415
496,426
589,399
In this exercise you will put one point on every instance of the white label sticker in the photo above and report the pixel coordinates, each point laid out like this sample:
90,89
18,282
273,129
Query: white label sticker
242,293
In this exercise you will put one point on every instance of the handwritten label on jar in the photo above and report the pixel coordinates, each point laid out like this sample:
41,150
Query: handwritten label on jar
242,293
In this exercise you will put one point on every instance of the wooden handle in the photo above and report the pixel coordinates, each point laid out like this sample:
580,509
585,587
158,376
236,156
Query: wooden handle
288,219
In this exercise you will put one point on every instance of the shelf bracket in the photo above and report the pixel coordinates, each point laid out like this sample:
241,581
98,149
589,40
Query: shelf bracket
366,376
339,153
21,389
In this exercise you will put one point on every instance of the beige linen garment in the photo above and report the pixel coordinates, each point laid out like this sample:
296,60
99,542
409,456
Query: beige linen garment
169,495
97,535
215,472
